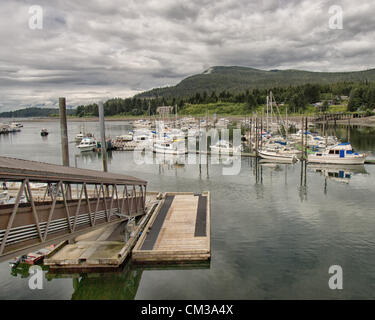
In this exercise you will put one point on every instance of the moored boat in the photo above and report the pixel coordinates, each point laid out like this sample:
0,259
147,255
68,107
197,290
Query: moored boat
167,146
223,146
282,155
87,144
342,153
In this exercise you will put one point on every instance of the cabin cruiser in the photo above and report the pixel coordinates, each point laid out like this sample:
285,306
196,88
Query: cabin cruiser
87,144
223,146
342,153
169,146
44,132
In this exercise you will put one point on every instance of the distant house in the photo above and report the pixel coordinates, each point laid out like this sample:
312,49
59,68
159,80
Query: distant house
164,110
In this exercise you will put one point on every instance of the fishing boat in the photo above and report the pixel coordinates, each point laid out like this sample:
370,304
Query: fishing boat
342,153
87,144
44,132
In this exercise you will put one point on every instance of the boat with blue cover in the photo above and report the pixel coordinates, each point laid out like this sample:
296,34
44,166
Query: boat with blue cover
342,153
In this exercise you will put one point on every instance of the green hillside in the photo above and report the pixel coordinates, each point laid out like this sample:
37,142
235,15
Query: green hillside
33,112
239,79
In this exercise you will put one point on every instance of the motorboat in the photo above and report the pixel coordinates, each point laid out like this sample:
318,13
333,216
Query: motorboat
87,144
342,153
223,146
168,146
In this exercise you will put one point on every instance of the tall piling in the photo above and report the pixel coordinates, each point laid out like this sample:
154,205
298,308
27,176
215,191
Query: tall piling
102,136
64,132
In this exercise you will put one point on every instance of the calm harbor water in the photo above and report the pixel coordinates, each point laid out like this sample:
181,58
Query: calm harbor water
273,234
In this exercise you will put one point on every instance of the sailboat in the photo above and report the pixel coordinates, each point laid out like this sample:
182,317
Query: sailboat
277,149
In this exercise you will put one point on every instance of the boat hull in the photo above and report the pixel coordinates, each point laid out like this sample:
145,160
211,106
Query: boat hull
85,149
336,160
173,152
277,157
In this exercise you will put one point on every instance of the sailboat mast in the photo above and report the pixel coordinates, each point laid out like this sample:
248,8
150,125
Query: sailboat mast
267,112
271,106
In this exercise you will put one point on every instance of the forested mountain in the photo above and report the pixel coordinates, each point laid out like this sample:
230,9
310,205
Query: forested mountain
240,79
239,90
33,112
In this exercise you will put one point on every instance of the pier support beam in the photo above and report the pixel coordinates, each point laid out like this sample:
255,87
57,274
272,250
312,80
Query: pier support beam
102,136
64,132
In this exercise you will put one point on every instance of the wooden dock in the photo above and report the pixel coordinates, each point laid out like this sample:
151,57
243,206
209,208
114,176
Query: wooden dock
104,248
178,231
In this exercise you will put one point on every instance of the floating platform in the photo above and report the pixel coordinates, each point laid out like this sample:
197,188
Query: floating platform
104,248
178,231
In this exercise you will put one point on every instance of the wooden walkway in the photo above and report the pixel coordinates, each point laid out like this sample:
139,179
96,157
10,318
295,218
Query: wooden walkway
103,248
178,231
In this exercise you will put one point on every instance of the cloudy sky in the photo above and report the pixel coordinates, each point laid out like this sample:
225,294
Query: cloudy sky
96,49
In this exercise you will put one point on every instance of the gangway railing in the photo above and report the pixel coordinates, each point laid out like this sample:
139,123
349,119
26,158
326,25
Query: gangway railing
66,203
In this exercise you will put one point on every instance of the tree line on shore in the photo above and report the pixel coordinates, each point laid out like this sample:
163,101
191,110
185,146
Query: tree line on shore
361,97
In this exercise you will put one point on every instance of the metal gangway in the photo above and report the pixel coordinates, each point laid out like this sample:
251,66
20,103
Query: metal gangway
53,203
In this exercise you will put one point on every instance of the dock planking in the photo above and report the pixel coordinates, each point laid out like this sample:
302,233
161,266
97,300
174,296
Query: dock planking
178,232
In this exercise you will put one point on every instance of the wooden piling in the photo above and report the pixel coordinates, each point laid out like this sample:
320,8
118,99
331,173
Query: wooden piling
64,132
102,136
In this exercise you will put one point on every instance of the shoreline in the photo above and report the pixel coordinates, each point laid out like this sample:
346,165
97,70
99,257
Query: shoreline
365,122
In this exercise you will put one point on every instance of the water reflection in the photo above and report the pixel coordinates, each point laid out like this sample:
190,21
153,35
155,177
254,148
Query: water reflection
119,285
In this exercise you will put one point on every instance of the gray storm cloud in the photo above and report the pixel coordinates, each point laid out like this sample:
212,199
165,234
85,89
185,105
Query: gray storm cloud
99,49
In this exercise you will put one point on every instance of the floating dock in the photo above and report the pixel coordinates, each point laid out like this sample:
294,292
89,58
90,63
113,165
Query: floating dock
103,248
178,231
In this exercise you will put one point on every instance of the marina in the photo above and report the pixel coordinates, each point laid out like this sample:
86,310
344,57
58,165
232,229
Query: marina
253,225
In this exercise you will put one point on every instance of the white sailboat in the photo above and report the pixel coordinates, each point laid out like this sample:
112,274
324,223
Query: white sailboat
282,154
